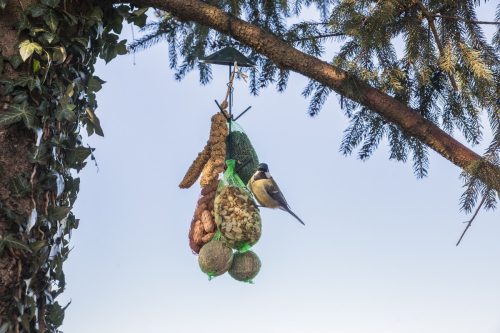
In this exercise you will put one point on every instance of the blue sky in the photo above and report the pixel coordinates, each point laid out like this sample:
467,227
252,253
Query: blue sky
377,254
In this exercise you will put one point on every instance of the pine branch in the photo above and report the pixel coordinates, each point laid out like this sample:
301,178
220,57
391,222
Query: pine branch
469,223
430,19
369,14
456,18
316,23
282,55
336,34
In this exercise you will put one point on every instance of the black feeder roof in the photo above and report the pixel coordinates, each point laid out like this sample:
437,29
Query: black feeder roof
227,56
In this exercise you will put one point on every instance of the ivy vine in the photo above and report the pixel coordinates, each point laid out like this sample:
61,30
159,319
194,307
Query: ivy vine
53,93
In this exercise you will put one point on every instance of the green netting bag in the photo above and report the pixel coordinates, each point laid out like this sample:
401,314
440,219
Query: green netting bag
236,215
240,149
215,258
245,266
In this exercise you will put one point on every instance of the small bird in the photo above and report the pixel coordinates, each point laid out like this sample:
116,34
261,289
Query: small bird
267,192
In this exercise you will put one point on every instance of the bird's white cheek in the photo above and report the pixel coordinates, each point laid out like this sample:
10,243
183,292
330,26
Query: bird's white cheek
268,175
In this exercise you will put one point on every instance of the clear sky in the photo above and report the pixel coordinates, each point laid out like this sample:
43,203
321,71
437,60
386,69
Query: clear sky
377,254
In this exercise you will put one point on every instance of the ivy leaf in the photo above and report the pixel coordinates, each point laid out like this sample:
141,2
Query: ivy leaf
138,17
41,155
15,60
66,112
81,40
51,20
55,313
7,85
116,24
50,3
37,246
123,10
35,84
11,215
96,14
37,10
26,49
23,80
35,31
59,213
70,90
48,37
121,47
11,242
18,112
3,4
108,53
20,186
36,66
25,24
95,84
72,184
20,97
95,121
109,50
76,157
90,128
59,55
72,222
28,81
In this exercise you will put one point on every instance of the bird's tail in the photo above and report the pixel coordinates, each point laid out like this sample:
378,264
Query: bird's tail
293,214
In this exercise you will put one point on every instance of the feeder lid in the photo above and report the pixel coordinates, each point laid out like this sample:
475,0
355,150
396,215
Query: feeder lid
227,56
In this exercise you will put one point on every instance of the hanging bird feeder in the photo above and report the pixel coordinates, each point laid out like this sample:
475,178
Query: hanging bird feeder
226,218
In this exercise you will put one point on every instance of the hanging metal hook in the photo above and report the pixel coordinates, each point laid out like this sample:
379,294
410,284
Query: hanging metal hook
245,111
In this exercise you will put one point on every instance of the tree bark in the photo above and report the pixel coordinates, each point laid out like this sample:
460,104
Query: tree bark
16,143
283,55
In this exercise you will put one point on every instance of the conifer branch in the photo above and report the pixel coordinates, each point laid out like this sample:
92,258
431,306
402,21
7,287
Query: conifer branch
284,56
370,12
456,18
336,34
316,23
430,19
469,223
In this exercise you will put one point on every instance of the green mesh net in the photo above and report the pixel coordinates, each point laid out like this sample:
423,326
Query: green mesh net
236,214
231,177
215,258
245,266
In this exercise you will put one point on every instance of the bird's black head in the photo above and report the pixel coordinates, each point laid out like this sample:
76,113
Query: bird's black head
263,167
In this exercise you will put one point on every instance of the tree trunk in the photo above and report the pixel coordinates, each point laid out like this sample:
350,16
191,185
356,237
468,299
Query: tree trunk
16,144
282,54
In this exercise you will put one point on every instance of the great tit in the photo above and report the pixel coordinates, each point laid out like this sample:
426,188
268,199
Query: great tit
267,192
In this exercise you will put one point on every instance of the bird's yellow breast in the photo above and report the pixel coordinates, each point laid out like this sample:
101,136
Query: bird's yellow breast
258,188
